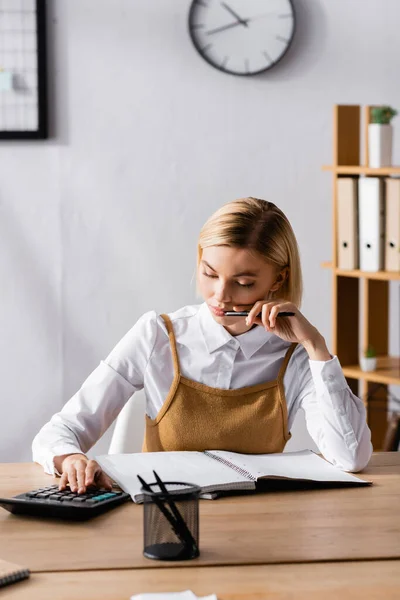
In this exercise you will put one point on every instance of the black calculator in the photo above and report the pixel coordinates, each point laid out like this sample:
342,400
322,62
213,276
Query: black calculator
51,502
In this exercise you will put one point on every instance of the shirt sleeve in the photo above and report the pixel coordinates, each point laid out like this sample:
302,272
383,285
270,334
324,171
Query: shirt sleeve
91,411
335,417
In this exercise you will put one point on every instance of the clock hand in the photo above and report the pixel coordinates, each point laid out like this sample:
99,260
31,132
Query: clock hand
269,14
242,21
224,27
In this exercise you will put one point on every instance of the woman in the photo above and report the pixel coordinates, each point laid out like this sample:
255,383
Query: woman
220,382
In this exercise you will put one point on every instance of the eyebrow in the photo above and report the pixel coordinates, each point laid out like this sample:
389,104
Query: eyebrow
242,274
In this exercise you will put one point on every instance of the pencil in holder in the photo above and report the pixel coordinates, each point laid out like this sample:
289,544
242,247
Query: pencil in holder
171,521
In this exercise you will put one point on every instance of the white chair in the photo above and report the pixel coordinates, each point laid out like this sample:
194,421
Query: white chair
128,432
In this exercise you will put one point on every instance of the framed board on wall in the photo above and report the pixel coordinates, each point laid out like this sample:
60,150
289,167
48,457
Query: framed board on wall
23,89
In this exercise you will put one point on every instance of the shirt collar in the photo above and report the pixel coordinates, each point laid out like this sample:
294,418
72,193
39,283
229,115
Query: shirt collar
216,336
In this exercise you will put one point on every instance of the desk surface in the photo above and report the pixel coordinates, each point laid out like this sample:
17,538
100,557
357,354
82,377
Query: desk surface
278,527
371,580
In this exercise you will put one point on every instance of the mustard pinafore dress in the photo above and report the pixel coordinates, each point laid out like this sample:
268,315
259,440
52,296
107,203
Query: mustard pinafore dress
194,416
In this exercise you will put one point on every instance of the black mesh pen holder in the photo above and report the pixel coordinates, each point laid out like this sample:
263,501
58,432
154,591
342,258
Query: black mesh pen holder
171,521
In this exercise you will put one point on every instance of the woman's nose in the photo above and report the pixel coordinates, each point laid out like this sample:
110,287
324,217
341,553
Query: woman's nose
222,293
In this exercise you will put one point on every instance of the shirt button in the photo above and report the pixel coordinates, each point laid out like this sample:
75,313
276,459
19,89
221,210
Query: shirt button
331,377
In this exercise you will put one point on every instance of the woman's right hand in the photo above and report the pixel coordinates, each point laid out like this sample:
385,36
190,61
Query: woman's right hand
79,472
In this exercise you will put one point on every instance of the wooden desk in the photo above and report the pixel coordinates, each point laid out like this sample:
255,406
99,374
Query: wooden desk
280,527
372,580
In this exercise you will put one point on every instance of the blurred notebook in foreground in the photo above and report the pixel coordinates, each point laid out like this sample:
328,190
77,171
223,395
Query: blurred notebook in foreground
10,572
218,471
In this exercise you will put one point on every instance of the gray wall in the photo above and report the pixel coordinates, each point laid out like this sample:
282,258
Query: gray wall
99,224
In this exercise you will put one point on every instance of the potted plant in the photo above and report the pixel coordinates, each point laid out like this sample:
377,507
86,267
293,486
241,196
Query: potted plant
368,359
380,136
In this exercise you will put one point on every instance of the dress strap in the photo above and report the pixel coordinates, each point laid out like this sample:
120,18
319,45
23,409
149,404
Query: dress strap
286,359
172,341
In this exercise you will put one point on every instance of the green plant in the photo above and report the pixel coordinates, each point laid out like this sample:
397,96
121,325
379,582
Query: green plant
370,352
382,114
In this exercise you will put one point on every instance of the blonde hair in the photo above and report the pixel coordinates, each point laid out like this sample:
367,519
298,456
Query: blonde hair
260,226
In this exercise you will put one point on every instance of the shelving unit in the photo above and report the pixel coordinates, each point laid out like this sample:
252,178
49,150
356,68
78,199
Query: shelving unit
349,287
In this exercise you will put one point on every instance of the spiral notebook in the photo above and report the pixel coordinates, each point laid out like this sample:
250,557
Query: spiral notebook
217,471
10,572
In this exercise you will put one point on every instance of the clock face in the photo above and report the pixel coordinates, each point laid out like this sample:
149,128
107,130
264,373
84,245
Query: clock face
242,37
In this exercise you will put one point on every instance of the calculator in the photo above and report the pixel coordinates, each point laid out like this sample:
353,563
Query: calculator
51,502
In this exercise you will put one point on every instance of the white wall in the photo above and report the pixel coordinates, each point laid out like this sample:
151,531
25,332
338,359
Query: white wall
99,224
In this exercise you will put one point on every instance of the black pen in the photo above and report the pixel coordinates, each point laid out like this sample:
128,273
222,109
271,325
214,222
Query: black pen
180,520
244,313
165,512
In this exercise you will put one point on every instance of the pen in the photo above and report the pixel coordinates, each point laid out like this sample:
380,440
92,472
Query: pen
244,313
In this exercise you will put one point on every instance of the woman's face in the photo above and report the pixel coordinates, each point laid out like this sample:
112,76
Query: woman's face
234,277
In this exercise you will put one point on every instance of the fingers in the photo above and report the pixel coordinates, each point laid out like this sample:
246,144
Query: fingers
266,309
80,475
269,313
104,481
252,316
96,476
63,481
276,309
91,469
72,478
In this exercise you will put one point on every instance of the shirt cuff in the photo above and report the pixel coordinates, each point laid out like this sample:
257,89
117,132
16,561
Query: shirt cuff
328,376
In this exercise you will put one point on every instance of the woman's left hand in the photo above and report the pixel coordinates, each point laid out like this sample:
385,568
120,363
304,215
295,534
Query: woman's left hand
291,329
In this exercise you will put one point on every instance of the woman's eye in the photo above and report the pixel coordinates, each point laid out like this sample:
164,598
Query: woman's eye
246,285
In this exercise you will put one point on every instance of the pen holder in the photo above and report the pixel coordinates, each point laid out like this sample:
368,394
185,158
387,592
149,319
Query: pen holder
171,521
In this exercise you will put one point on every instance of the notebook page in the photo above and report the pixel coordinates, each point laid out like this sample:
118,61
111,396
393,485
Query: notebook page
290,465
190,467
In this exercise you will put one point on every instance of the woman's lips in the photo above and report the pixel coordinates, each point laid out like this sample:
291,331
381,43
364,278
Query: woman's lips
218,312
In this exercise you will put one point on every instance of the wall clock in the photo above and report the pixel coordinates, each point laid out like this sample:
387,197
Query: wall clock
242,37
23,105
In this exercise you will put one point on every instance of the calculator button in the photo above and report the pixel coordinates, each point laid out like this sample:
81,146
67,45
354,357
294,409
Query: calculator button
55,497
77,499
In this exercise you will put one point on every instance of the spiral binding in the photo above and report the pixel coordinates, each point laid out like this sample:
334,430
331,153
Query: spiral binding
226,462
13,577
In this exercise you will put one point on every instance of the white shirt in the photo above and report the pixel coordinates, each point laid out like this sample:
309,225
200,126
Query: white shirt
335,417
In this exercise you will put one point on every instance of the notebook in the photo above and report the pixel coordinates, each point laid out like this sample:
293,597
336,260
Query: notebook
219,471
10,572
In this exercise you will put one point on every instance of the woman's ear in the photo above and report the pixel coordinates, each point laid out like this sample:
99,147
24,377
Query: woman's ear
280,280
